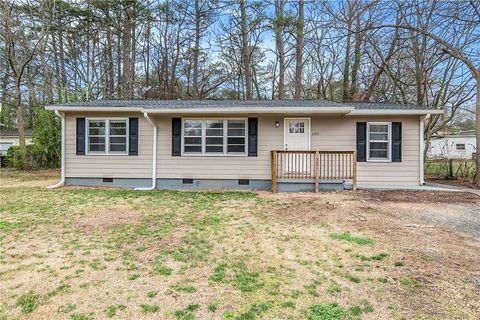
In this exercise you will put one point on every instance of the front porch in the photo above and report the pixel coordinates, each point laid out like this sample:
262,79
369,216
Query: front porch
308,170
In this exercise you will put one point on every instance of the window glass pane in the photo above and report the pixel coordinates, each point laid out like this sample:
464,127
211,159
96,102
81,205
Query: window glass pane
94,147
96,136
214,132
236,128
378,145
218,141
378,154
379,128
296,127
195,149
96,140
210,124
118,147
118,128
192,128
379,136
96,127
236,136
378,141
236,148
189,140
214,149
236,141
117,140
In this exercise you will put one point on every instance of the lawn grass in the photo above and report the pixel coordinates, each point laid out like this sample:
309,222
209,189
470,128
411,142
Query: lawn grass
76,253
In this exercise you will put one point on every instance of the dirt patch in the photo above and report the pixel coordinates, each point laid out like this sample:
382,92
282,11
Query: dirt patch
459,182
418,197
115,215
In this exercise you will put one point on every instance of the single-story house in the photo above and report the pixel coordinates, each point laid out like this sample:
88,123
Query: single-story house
285,145
462,145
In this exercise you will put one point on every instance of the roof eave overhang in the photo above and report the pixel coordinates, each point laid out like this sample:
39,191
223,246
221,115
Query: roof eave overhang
93,109
393,112
294,110
349,111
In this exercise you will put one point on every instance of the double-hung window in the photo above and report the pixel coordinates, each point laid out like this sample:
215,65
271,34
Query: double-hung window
214,136
107,136
379,141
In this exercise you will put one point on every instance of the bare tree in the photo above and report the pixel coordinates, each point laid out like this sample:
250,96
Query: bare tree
299,50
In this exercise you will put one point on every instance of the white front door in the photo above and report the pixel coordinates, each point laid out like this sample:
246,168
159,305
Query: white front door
297,138
297,134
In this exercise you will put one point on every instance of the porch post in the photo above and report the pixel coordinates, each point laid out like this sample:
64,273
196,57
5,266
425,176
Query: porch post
273,163
354,169
317,171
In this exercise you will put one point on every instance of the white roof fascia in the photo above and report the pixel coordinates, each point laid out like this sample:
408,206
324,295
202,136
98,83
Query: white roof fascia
93,109
393,112
293,110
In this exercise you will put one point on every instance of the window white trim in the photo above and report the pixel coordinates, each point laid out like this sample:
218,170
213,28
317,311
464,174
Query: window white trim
389,151
107,151
225,138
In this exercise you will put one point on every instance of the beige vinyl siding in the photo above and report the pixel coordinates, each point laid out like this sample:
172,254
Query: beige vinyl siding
334,133
329,132
108,166
218,167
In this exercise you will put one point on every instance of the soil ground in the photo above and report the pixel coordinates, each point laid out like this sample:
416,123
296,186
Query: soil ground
85,253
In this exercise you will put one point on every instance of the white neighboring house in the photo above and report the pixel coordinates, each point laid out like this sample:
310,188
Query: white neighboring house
8,138
459,146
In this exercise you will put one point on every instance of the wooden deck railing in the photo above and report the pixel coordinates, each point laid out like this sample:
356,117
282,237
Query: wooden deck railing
313,165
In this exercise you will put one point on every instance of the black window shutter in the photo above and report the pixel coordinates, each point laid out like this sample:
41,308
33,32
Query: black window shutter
252,137
133,136
396,142
176,137
361,141
80,136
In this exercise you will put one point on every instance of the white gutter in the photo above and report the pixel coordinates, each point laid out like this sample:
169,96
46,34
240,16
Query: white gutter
393,112
292,110
154,157
422,148
349,111
343,110
61,183
93,109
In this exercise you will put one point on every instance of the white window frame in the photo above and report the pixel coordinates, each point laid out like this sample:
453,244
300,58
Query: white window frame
107,151
389,151
462,144
225,138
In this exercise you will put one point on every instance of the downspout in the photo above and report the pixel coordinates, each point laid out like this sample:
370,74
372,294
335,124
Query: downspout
422,147
154,157
61,183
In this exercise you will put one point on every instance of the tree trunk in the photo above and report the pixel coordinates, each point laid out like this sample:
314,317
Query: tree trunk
127,45
119,65
147,67
346,67
196,50
278,26
298,52
63,72
32,101
20,123
110,71
246,52
357,54
477,116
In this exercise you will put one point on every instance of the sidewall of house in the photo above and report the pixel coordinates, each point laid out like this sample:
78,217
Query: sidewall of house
328,132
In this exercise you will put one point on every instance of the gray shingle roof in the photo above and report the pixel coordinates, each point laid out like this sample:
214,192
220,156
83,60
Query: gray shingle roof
14,132
172,104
